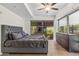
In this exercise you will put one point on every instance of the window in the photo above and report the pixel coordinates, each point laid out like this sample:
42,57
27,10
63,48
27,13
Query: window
63,25
74,23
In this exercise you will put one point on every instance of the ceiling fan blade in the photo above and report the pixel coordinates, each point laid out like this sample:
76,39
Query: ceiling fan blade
41,8
53,4
54,8
47,3
43,4
46,11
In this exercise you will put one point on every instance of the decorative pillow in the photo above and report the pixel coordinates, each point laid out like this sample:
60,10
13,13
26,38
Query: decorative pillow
24,34
18,35
10,36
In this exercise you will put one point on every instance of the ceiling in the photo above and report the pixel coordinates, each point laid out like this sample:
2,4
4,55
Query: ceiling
35,6
29,10
17,8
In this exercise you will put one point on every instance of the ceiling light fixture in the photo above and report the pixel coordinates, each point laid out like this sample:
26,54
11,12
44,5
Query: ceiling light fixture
47,7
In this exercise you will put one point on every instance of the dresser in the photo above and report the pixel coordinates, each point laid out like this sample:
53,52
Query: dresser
68,41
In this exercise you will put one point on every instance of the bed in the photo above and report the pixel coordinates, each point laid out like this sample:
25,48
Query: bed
13,43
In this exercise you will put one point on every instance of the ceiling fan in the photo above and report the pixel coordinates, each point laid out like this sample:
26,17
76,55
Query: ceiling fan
48,6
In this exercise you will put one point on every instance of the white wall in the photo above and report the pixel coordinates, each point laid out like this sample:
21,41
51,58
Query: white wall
65,11
28,26
9,18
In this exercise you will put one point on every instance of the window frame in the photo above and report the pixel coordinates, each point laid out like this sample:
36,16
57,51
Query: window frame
59,23
67,20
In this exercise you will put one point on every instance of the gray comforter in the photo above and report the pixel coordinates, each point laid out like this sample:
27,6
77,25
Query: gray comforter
31,43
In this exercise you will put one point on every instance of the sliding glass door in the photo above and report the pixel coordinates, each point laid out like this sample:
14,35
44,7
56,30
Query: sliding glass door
42,27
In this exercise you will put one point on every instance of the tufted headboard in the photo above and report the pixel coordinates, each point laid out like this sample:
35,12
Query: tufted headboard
5,29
